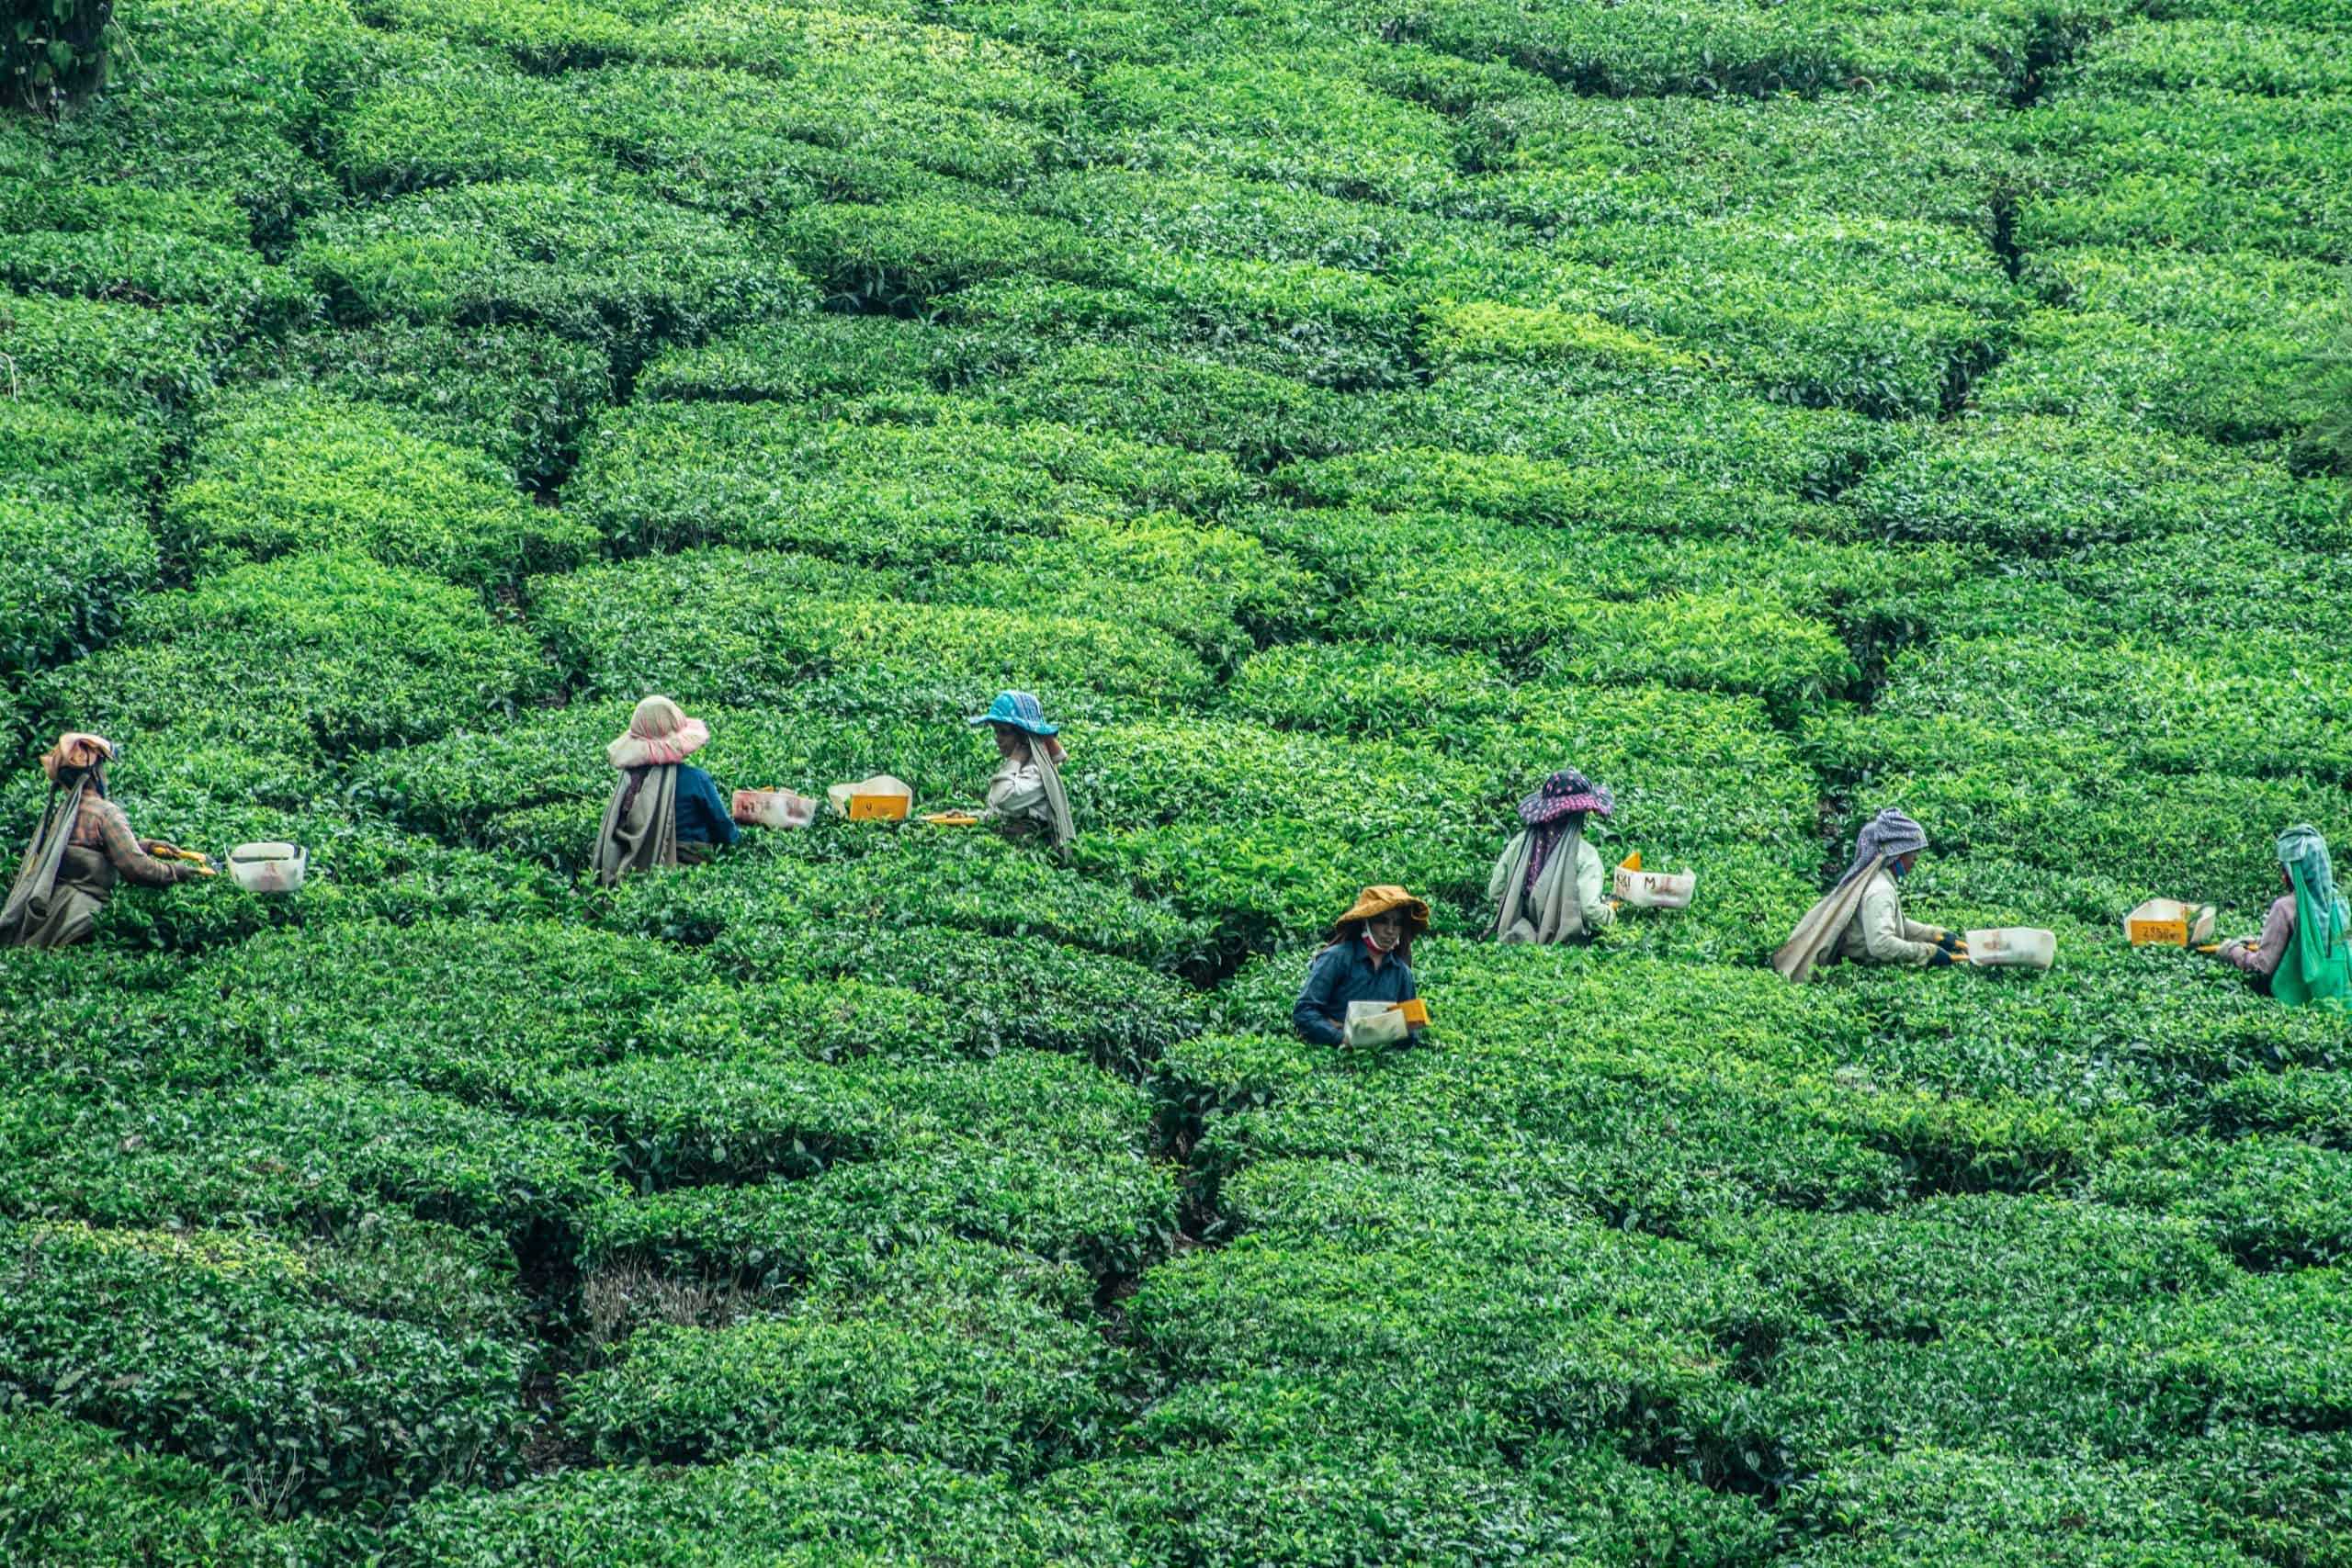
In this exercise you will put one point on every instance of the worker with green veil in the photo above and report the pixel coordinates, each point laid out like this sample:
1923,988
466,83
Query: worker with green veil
2302,958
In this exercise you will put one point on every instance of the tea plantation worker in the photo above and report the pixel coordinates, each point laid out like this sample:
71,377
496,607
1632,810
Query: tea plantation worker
82,847
1547,885
1369,959
1025,794
2300,958
662,812
1862,919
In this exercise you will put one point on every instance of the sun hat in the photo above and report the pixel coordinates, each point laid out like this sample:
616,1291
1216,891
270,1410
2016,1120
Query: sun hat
1375,902
1564,792
76,749
1019,709
659,733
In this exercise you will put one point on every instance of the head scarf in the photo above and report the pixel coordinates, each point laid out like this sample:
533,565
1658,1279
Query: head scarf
2315,969
2304,855
1564,792
1555,811
76,749
1047,755
1884,836
659,733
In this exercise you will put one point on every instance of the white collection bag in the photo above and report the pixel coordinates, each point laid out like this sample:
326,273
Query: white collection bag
1374,1023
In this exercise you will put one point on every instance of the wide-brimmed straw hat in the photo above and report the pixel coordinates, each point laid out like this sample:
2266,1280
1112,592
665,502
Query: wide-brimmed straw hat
1375,902
1020,709
659,732
1564,792
76,749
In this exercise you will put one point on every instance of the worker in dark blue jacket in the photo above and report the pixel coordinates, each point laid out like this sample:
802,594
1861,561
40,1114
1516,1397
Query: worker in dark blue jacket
663,812
1369,960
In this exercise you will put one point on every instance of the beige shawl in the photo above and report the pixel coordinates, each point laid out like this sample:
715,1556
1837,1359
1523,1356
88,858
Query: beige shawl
26,916
1554,911
1048,808
1062,830
641,829
1818,931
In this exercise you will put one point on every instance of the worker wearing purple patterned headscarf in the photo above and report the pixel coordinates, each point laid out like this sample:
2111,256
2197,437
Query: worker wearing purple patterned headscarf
1862,919
1546,885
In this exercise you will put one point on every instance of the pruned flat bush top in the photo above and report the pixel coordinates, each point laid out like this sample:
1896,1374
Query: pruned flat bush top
332,650
287,472
617,268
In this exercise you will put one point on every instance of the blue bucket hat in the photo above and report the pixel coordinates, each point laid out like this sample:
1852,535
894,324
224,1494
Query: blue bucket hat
1019,709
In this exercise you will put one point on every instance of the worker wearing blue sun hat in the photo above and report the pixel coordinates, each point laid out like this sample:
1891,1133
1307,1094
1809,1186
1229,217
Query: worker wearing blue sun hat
1025,794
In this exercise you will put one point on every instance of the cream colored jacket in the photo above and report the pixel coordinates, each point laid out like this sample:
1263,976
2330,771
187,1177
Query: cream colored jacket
1881,933
1017,789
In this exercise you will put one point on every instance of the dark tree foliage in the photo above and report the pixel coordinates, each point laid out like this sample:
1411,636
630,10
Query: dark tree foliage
55,52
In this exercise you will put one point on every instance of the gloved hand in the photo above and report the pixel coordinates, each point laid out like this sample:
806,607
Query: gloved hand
1949,941
1941,959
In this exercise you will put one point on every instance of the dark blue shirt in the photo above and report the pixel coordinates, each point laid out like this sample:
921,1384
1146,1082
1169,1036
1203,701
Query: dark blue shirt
1343,974
701,816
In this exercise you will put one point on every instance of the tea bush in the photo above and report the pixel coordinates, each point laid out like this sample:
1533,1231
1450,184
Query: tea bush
1360,1504
77,1496
1548,493
107,355
1895,316
831,362
1553,160
952,880
2040,485
73,565
2200,171
1179,217
2231,387
761,474
1670,419
1257,419
756,630
384,654
1286,320
1111,1219
450,117
344,1000
2140,700
156,268
1006,990
1327,132
617,269
796,1505
275,473
1980,1509
731,143
334,1151
519,395
1639,51
470,784
218,1347
2231,56
954,1352
900,256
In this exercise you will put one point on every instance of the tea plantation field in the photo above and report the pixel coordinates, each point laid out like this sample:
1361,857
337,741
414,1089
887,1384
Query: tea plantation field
1343,413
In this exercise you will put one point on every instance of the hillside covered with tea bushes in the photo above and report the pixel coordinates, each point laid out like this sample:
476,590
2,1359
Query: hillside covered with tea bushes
1342,415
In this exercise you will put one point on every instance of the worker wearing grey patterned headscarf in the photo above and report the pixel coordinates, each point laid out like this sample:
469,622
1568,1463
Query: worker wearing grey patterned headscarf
1862,919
